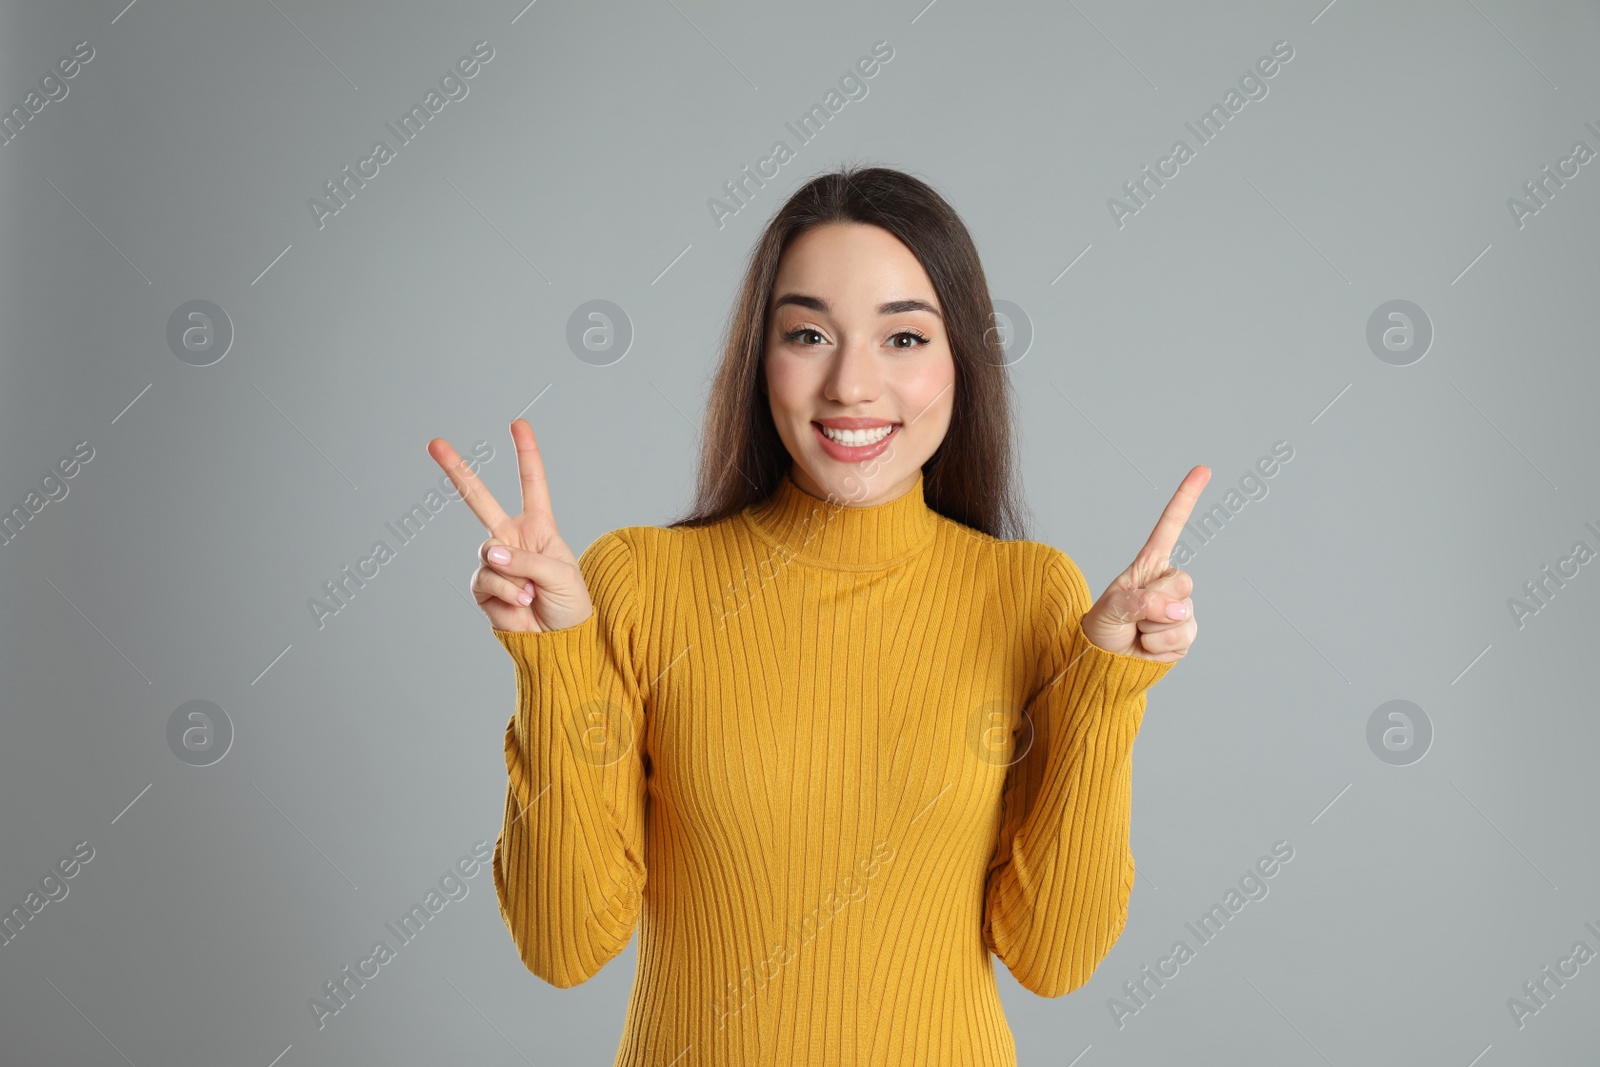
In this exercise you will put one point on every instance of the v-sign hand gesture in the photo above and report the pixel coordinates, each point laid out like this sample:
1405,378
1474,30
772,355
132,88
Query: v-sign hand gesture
529,579
1147,611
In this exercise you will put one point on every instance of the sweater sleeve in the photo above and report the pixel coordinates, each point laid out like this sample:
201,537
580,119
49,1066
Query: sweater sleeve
1057,893
569,864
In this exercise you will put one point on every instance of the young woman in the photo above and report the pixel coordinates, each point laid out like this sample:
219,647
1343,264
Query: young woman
832,739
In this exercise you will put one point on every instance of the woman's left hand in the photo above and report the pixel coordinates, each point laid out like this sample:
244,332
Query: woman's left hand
1147,611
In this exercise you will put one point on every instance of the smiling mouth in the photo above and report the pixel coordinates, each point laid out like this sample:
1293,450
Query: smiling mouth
857,438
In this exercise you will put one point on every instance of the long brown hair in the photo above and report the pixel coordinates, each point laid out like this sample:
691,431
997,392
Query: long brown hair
970,476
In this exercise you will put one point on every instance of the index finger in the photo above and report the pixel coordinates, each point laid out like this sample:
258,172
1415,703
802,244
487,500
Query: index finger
1165,536
473,491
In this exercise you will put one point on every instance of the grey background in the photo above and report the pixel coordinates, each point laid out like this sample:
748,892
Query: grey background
1230,313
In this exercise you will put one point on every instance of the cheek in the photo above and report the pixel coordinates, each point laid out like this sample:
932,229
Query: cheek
929,389
788,385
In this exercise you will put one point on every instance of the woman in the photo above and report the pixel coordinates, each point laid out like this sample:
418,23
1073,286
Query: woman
830,740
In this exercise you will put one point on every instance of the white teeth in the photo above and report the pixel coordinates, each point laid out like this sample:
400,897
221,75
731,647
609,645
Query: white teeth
857,438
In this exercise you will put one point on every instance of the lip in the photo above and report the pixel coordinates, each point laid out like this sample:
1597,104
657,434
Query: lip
853,453
854,422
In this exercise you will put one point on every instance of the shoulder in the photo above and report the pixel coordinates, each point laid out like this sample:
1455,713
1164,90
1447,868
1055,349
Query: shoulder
651,557
1037,576
626,548
649,545
609,570
1032,569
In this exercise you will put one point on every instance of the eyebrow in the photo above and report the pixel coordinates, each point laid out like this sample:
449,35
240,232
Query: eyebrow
893,307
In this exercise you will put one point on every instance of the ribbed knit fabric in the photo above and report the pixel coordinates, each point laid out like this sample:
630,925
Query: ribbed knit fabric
828,759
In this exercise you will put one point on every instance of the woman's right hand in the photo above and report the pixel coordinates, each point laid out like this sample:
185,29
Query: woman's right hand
538,586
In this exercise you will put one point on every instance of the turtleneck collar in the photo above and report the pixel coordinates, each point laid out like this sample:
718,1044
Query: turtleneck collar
841,536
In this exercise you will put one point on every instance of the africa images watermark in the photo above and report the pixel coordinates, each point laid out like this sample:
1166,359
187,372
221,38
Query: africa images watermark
412,124
453,886
740,594
852,83
1542,189
1538,991
850,888
52,889
52,89
1212,124
51,487
1252,887
1206,525
1539,591
339,590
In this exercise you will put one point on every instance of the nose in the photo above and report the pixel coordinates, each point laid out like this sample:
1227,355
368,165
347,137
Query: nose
855,376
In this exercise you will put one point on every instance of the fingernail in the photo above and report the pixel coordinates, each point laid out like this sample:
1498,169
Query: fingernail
499,554
525,597
1177,610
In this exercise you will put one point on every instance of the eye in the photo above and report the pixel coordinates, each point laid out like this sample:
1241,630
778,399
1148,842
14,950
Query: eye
917,339
795,334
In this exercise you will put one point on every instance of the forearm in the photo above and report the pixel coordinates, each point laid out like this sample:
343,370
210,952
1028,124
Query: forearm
1059,901
568,865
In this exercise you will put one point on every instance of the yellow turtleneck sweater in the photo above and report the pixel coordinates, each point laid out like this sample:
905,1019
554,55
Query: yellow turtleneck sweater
827,759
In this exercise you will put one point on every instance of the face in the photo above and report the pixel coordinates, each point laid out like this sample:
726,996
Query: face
858,366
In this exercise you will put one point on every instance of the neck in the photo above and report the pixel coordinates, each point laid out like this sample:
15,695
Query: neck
831,533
